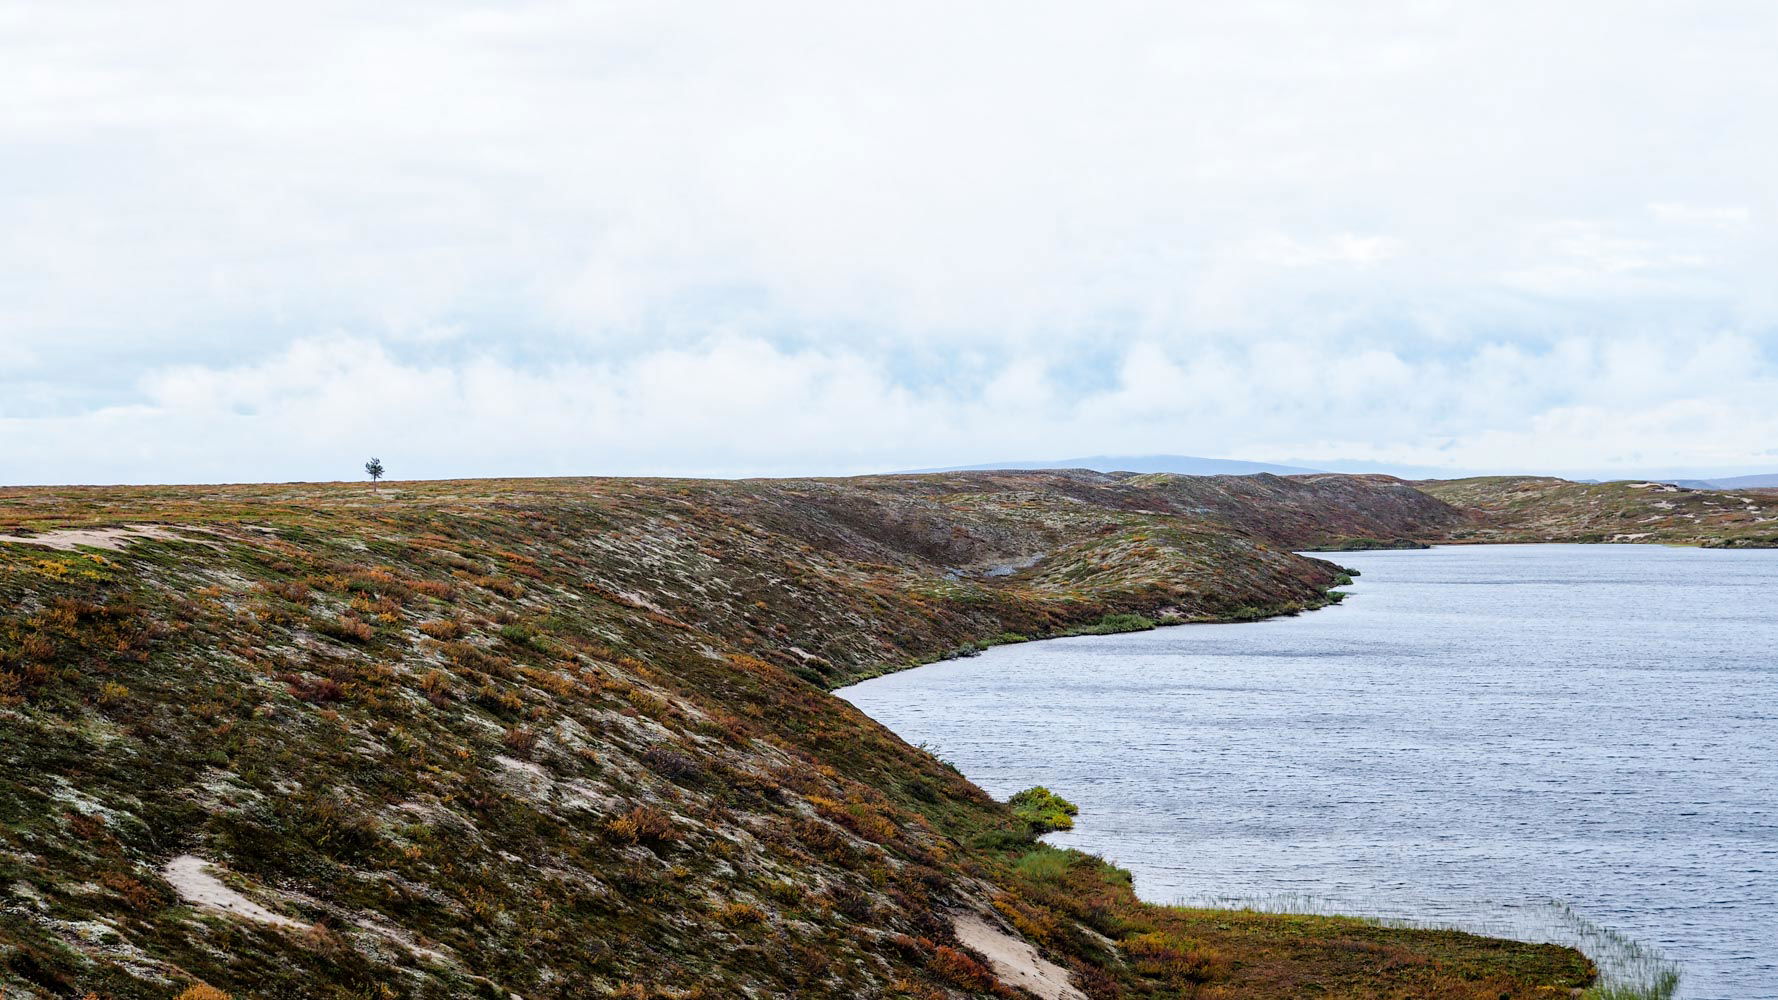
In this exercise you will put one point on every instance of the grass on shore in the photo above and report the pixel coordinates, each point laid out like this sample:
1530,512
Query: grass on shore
1076,902
1627,968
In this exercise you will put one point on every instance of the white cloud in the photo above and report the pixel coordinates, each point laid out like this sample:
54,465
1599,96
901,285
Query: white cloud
1715,216
737,406
926,232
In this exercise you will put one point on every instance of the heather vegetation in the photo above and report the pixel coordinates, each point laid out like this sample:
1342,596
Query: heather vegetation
1540,509
571,738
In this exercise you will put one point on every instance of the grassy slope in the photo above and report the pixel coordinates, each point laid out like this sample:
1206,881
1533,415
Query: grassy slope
1536,509
568,738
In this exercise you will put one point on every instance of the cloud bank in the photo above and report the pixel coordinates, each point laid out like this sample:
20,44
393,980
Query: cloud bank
546,238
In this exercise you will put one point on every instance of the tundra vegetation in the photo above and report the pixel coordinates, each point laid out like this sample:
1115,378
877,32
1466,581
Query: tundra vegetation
1043,810
569,738
1537,509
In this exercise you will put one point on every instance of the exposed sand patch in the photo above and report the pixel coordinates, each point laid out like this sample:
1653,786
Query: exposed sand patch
528,779
389,932
1014,960
112,539
191,878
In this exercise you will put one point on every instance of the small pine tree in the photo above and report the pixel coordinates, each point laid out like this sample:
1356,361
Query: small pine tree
374,469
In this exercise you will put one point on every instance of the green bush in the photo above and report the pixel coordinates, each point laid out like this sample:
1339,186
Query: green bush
1111,624
1043,809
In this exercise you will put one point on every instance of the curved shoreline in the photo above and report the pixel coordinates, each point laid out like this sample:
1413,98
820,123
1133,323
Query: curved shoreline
1637,973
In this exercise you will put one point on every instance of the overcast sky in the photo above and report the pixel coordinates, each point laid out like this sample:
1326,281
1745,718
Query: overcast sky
239,243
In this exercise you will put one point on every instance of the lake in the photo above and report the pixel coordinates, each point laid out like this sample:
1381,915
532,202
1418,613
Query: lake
1479,736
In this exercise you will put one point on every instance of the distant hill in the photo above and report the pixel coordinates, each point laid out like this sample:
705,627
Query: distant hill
1767,481
1185,465
1763,481
1189,465
1691,479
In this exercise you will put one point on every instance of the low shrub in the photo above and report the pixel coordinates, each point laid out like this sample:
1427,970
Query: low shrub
1043,809
290,590
1173,959
954,967
643,824
435,588
315,690
444,629
670,763
348,628
741,915
436,686
851,903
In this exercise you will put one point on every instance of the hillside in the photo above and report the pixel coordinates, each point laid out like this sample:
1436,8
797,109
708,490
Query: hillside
569,738
1537,509
1314,512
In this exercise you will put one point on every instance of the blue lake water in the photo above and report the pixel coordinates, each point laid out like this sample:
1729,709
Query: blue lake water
1476,732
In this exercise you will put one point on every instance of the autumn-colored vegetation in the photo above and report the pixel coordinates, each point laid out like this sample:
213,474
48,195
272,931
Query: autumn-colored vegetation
1541,509
568,738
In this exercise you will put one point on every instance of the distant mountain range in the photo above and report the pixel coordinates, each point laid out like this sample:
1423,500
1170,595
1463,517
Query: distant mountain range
1189,465
1761,482
1184,465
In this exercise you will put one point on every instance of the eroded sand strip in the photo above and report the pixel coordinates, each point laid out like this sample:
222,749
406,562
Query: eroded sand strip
191,878
1014,960
110,539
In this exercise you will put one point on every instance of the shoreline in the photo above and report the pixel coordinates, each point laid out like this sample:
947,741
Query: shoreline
1636,972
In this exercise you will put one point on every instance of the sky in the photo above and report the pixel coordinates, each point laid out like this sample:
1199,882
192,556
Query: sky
244,242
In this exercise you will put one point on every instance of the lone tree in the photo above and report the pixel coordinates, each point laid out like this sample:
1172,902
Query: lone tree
374,469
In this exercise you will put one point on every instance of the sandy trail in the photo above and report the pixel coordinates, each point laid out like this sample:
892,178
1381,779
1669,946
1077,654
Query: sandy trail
112,539
1014,960
191,878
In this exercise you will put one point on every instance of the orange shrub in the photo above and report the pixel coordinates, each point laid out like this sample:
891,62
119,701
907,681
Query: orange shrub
435,588
349,628
289,590
741,914
135,895
444,629
504,587
317,690
643,824
954,967
436,686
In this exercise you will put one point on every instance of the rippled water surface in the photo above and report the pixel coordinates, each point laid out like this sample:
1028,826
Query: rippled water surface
1475,730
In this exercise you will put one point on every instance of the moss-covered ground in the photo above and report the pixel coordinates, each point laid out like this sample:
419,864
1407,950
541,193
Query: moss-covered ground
570,738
